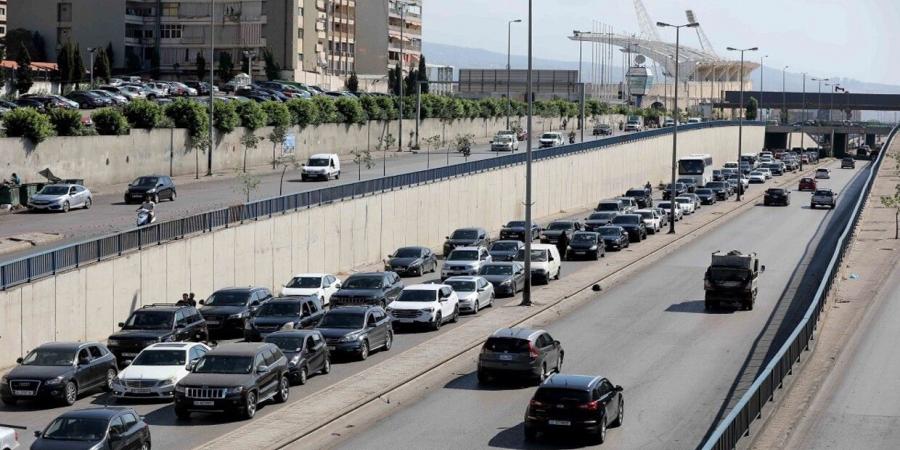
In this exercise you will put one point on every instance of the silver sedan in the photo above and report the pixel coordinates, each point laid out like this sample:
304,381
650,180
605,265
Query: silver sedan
474,293
61,197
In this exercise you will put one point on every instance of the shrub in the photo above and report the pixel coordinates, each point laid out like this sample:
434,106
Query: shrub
27,123
252,115
189,114
278,114
388,107
371,107
304,112
351,109
143,114
328,112
110,122
67,122
226,118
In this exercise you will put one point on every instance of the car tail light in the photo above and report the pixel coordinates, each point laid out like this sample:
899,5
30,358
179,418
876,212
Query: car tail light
590,406
532,350
536,404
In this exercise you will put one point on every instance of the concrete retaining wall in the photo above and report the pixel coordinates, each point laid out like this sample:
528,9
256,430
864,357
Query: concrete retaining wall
105,160
88,302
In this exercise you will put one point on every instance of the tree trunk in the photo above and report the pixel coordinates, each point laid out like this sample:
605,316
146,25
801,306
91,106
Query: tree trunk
897,225
281,183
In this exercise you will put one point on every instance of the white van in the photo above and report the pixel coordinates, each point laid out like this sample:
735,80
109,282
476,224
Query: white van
545,262
322,166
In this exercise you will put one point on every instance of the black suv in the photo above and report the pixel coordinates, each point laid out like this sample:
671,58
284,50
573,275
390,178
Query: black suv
557,228
59,371
158,322
777,196
848,163
228,310
466,237
368,288
633,224
155,186
641,196
284,313
515,229
234,378
575,403
357,330
680,189
305,351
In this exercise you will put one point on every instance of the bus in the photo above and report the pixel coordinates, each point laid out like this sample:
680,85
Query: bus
698,167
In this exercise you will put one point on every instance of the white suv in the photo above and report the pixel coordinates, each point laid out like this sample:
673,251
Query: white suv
157,369
651,219
465,261
425,304
321,285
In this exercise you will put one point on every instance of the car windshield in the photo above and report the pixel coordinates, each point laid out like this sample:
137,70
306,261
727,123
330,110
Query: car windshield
628,219
286,343
145,181
496,270
703,191
548,136
54,190
304,283
727,274
636,193
363,282
76,429
715,184
538,255
664,205
143,320
227,364
507,345
461,286
319,162
683,200
503,139
49,357
602,216
822,170
463,255
160,358
609,231
775,191
342,320
464,234
279,309
516,224
584,237
561,226
408,252
504,246
227,298
608,206
646,214
417,295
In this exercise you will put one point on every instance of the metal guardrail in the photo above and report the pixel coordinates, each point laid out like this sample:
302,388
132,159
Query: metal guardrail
736,424
51,262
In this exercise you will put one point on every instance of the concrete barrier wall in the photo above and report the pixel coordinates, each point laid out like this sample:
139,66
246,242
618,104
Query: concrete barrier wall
105,160
88,302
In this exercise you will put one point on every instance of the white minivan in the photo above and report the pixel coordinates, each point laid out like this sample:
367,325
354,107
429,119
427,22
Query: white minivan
545,262
323,166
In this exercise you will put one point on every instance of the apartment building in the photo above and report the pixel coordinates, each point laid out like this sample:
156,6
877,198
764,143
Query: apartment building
379,35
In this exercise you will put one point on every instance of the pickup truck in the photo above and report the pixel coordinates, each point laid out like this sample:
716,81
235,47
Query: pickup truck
823,197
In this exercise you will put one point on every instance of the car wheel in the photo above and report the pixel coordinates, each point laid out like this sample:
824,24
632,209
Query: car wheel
601,435
475,310
326,367
389,341
559,362
110,376
145,446
491,303
621,416
455,317
173,196
65,207
87,203
156,198
364,351
182,413
284,390
70,393
558,272
543,375
438,321
303,376
337,176
249,409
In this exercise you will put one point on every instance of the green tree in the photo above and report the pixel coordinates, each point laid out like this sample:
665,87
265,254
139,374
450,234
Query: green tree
247,183
353,83
191,115
273,70
328,112
752,109
362,158
65,63
226,66
252,115
77,65
395,77
277,114
67,122
27,123
304,112
249,141
40,46
102,69
24,80
18,37
410,84
351,110
388,107
423,75
893,202
226,118
110,121
143,114
200,64
110,55
372,108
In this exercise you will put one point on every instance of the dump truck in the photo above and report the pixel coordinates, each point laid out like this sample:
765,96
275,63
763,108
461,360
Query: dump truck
732,278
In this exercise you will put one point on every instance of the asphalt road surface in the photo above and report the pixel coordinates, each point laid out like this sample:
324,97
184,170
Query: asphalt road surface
649,334
110,214
858,405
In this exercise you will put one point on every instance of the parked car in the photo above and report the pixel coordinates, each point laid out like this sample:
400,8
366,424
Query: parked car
59,372
651,218
466,237
586,244
305,351
61,197
823,173
154,186
519,352
629,203
633,224
766,172
88,100
515,229
368,288
667,207
777,196
115,98
848,163
689,184
156,369
776,167
508,278
113,428
551,139
614,237
323,166
641,196
474,293
575,404
598,219
546,262
157,322
283,313
234,378
412,261
557,228
505,250
465,261
322,285
717,175
227,310
425,304
823,197
807,184
680,189
504,143
707,196
602,129
357,330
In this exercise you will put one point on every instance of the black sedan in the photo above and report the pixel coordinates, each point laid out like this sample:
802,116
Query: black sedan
614,236
707,196
575,404
508,278
586,244
412,261
283,313
305,351
598,219
59,371
113,428
515,229
777,196
721,188
680,189
505,250
633,224
88,100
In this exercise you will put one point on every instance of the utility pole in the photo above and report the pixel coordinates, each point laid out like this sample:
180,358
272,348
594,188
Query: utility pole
762,70
526,293
402,7
741,112
804,117
784,120
91,51
509,68
212,81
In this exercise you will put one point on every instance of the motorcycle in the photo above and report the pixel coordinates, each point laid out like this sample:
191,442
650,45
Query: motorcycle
466,150
144,217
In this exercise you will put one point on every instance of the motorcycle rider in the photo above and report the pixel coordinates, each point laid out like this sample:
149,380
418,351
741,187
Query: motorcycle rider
572,137
150,207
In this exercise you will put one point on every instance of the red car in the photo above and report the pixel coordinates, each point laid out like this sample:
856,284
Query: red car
807,184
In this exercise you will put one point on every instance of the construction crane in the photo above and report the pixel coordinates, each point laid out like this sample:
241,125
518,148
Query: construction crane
704,41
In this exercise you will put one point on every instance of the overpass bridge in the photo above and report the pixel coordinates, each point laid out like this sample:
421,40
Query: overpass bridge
846,101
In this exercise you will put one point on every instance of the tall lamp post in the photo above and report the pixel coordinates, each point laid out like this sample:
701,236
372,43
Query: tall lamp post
762,70
526,292
675,116
509,67
91,50
819,101
741,112
402,6
784,120
802,134
212,81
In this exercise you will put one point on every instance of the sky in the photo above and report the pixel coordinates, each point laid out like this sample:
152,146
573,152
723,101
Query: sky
824,38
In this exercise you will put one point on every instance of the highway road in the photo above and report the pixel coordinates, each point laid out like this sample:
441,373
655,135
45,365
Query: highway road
110,214
858,405
649,334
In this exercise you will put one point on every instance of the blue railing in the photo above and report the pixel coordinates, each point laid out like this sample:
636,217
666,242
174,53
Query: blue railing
737,423
51,262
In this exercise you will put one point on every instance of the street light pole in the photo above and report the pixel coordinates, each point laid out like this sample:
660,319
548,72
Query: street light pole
526,292
784,120
509,68
762,70
91,51
677,119
741,112
804,117
212,74
402,7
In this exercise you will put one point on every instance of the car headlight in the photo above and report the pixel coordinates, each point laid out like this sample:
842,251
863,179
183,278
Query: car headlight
54,381
568,247
506,283
151,191
593,247
350,338
295,360
167,382
430,309
239,315
288,326
112,342
234,390
4,380
180,388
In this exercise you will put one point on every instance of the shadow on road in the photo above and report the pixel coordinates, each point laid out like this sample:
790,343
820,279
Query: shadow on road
698,307
514,438
470,382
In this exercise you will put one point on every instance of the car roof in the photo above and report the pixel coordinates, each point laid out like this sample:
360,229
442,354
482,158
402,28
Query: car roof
468,247
66,345
239,289
417,247
106,412
368,274
462,278
504,241
311,274
571,381
516,333
469,228
425,287
291,299
239,348
293,333
356,309
323,155
499,263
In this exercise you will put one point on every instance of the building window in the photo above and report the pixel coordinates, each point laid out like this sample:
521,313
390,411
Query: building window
170,9
300,33
300,11
64,12
170,31
63,34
